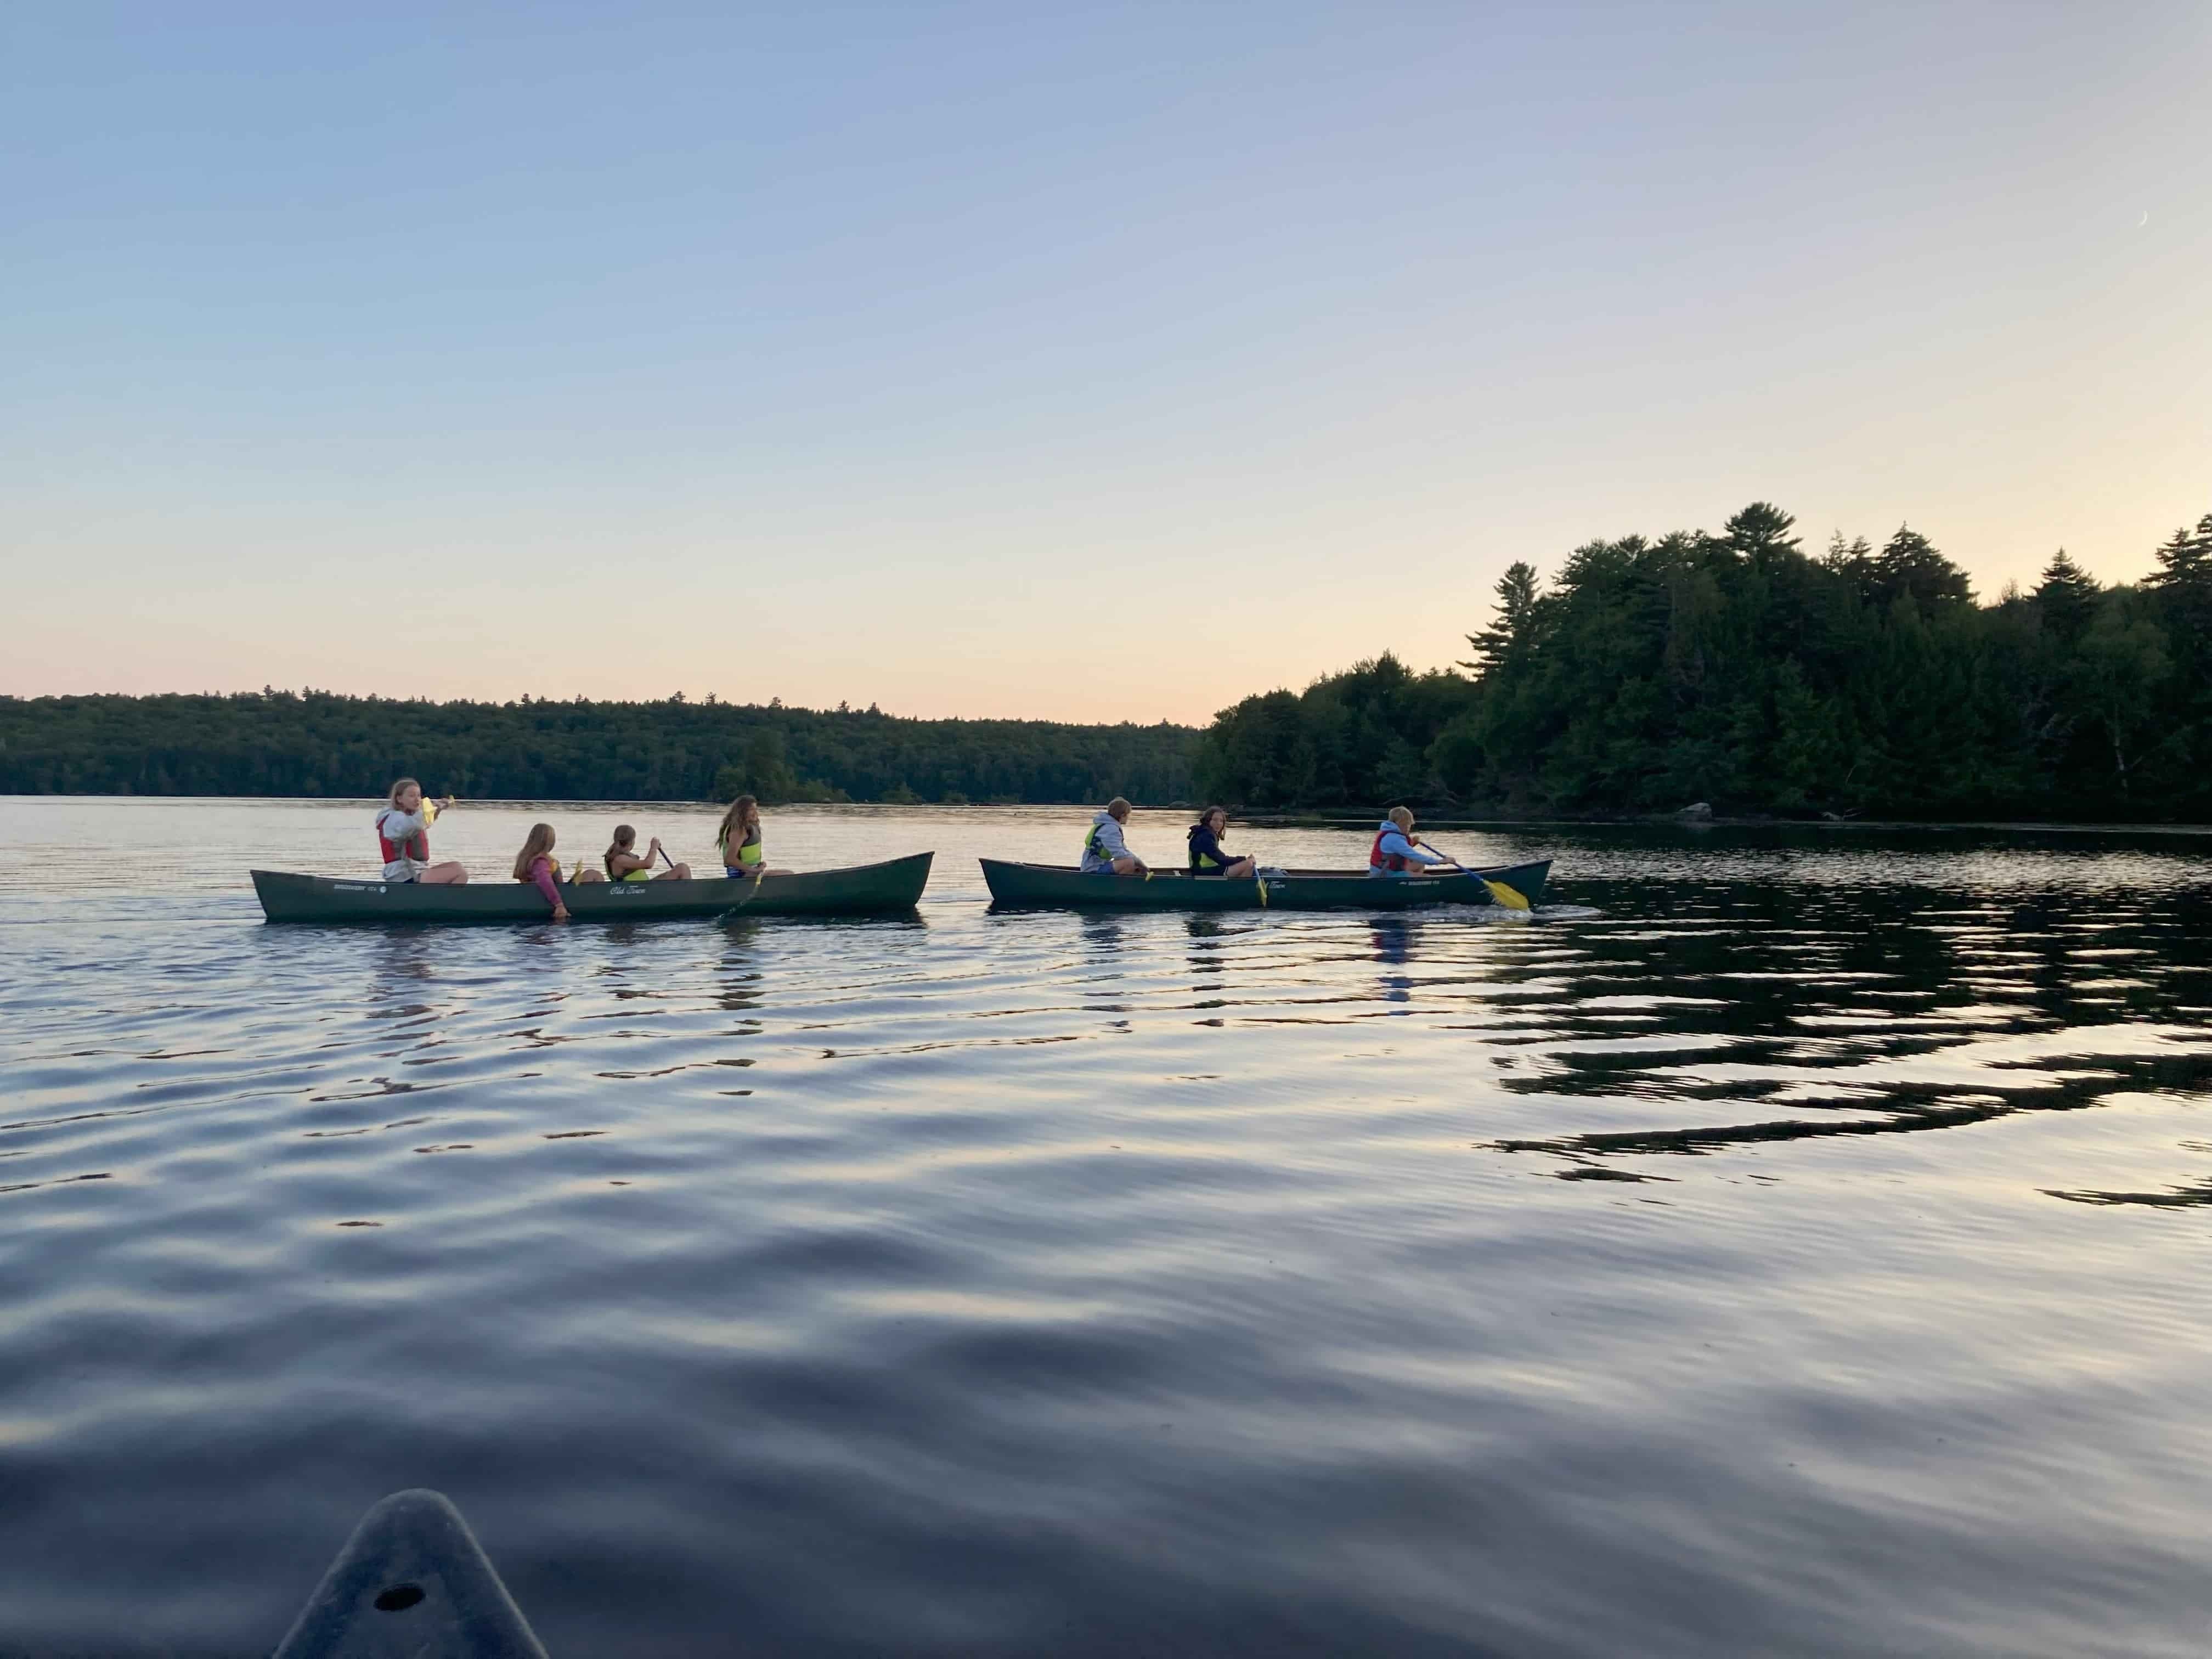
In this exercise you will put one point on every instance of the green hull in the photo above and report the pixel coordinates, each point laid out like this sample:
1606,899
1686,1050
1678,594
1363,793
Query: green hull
1056,887
864,890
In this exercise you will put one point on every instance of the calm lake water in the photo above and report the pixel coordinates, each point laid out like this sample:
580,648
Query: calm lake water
1786,1242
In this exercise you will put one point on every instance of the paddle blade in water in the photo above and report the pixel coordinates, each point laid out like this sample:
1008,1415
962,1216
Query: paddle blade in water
1510,898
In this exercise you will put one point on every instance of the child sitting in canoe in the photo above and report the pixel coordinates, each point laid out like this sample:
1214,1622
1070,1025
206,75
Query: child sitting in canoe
403,836
1397,850
738,840
624,864
536,864
1105,853
1207,856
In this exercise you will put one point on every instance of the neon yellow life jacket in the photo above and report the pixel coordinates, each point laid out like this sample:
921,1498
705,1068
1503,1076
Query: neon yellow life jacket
749,850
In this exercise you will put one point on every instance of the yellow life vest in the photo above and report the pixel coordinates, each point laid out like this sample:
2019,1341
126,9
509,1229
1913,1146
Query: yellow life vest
749,850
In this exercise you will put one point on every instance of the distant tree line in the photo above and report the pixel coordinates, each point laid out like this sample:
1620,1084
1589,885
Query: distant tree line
319,743
1738,670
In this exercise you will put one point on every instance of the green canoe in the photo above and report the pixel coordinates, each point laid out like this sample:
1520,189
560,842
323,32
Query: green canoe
863,889
1056,887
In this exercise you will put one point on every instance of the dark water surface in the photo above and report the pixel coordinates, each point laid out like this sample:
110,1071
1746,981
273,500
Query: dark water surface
1788,1243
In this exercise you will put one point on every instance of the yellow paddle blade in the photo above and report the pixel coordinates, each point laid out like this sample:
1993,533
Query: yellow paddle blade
429,811
1510,898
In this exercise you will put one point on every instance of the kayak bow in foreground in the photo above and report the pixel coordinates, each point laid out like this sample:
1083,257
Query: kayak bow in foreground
862,890
1056,887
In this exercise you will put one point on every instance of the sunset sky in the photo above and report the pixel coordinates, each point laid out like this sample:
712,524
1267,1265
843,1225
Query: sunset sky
1088,362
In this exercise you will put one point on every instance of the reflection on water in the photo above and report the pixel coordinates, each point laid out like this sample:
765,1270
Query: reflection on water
1785,1242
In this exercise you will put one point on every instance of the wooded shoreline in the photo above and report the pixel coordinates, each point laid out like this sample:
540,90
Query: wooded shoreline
317,745
1731,671
1738,671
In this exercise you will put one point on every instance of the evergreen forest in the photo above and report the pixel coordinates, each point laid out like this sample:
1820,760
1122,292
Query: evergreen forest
1735,670
284,743
1739,672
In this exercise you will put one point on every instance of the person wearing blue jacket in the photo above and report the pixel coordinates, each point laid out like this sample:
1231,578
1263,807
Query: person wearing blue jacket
1397,850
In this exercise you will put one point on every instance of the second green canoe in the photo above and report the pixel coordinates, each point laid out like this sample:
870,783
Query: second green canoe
1056,887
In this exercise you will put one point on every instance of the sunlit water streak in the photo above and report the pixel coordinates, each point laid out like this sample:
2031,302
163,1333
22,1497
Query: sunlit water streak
1784,1242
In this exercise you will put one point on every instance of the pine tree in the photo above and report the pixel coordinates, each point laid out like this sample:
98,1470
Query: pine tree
1853,560
2186,561
1508,639
1909,567
1761,534
2181,593
2066,598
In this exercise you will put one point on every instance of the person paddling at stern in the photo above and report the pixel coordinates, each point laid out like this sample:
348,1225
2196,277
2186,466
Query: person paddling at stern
402,835
624,863
1397,850
1104,852
536,864
738,840
1207,857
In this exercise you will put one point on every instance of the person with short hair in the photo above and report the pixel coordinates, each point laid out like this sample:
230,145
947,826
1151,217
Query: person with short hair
1104,851
1397,850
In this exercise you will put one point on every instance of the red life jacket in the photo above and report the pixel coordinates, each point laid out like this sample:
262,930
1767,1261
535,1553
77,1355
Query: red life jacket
417,847
1376,860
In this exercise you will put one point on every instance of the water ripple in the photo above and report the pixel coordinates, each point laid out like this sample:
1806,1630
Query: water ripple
1775,1216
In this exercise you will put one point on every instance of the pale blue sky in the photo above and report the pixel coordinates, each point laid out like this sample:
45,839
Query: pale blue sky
1100,362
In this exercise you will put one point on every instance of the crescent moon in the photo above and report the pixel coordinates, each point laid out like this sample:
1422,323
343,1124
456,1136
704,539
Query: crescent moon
2141,222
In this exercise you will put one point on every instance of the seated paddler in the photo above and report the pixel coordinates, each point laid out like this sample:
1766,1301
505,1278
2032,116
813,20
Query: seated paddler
738,840
1397,850
1104,851
625,863
1207,857
402,837
536,864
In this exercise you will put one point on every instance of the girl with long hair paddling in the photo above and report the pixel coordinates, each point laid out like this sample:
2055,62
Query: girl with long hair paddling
403,836
738,840
624,863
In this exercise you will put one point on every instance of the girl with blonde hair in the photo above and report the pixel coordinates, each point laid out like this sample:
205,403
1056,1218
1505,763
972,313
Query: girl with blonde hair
536,864
403,836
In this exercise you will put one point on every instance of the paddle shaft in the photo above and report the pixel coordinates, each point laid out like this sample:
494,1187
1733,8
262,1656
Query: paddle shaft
1511,898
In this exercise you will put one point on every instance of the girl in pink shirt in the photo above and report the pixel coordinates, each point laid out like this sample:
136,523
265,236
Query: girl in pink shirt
536,864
